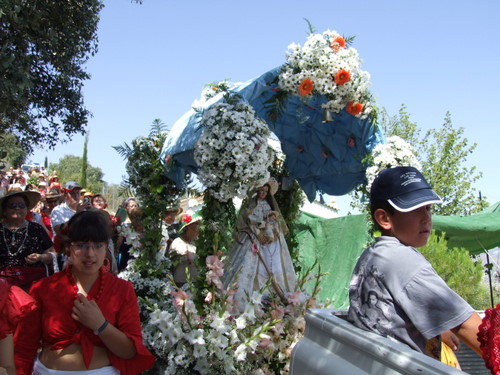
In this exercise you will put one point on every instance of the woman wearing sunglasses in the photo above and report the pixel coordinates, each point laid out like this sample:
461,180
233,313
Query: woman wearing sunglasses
25,247
87,320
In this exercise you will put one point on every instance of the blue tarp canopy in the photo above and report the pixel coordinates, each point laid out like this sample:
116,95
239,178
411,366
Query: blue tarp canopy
322,157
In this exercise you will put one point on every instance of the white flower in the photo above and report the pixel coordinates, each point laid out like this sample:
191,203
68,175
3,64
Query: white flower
241,352
196,337
229,161
241,322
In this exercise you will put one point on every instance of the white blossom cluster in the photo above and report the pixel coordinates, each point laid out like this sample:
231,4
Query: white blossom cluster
213,89
395,152
319,60
232,153
220,342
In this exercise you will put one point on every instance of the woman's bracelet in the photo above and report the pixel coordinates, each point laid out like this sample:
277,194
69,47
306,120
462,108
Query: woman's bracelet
99,330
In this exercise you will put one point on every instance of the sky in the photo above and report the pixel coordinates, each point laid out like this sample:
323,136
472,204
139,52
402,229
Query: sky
154,59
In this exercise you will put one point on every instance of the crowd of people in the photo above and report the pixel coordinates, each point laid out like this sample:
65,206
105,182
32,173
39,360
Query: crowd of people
62,306
64,310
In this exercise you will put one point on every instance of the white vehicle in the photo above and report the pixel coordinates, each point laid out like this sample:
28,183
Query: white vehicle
333,346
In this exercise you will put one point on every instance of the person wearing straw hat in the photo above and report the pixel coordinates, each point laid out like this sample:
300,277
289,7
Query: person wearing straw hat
260,253
183,250
25,247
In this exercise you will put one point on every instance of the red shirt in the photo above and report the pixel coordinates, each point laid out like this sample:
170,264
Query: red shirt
15,304
51,323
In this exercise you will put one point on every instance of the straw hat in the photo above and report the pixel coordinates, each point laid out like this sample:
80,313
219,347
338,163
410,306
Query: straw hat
33,197
187,219
175,208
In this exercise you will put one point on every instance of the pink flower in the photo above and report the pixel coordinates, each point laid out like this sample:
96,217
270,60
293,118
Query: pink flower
277,312
264,343
215,271
296,298
180,298
209,297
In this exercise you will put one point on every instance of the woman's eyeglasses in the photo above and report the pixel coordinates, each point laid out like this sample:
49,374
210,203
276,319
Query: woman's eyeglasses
14,205
80,247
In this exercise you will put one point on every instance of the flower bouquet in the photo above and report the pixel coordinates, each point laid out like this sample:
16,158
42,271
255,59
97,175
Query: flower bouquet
216,338
232,153
328,66
395,152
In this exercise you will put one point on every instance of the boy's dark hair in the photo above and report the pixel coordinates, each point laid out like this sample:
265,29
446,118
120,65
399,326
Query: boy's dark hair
384,205
85,226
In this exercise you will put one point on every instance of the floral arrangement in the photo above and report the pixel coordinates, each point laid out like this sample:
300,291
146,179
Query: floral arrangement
232,153
327,65
395,152
212,89
216,338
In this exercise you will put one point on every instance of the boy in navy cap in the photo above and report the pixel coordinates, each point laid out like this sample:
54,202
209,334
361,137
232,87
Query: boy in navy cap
394,290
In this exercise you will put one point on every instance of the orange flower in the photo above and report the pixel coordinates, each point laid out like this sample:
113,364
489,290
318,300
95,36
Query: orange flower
306,87
354,108
342,77
338,43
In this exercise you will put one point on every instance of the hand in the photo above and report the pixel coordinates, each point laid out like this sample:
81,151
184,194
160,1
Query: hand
3,371
33,258
451,340
87,312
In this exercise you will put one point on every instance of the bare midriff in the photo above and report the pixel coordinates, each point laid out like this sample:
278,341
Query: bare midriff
71,358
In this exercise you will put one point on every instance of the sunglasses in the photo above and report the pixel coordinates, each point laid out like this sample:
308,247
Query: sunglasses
14,205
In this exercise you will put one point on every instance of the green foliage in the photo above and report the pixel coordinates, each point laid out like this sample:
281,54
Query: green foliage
215,235
13,153
458,269
442,153
83,178
69,169
147,182
44,45
443,166
289,202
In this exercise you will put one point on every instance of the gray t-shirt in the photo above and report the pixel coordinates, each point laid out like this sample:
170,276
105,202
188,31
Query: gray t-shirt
396,293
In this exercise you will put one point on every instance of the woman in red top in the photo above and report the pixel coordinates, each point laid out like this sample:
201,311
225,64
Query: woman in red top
15,304
88,319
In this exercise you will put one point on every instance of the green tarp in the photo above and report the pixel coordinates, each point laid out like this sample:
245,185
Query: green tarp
337,243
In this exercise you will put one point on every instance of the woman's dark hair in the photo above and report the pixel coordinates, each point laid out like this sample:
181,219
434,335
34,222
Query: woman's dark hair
86,226
384,205
268,196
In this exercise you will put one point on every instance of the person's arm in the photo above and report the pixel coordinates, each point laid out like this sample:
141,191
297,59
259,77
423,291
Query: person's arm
89,314
45,258
467,332
7,355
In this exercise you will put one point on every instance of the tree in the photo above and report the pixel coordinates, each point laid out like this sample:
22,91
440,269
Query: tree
442,153
83,177
458,270
445,153
69,169
44,45
15,153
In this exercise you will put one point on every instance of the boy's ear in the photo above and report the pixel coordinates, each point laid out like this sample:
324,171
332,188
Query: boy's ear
383,219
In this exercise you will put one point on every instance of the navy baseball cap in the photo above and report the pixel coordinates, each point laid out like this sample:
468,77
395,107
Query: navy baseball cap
405,188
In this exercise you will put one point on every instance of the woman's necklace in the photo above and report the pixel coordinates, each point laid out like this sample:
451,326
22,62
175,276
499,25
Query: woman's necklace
10,247
69,271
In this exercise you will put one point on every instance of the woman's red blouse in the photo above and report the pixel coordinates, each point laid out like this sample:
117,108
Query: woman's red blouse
51,323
